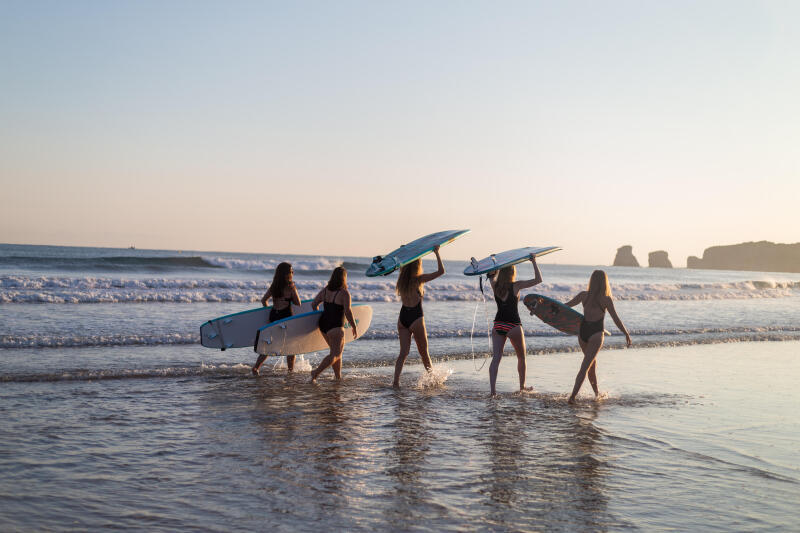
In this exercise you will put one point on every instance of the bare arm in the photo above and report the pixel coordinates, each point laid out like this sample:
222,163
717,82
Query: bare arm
578,299
317,300
425,278
348,313
295,294
519,285
266,297
617,321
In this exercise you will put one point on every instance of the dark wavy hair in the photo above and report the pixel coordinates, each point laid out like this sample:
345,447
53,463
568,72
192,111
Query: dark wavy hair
338,279
281,280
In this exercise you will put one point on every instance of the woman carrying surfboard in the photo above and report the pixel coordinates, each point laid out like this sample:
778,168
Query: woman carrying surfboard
411,322
507,324
596,301
283,293
337,300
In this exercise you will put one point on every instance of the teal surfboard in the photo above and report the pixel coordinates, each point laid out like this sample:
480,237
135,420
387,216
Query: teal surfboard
386,264
507,258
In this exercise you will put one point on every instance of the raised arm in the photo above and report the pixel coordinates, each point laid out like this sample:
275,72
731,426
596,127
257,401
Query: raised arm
266,296
295,294
348,313
519,285
617,321
578,299
425,278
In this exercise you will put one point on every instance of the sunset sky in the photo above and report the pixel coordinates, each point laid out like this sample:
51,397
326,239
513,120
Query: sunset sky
346,128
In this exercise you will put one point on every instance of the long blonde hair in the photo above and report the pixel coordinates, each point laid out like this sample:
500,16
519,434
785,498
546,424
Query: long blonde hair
598,286
505,280
408,281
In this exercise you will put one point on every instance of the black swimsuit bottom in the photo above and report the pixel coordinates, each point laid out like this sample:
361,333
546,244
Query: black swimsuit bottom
590,328
278,314
409,314
332,316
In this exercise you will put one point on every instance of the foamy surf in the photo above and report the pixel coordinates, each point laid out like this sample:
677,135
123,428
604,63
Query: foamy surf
435,378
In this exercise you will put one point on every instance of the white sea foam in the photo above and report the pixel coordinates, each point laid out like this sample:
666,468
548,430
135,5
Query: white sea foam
313,265
74,290
436,377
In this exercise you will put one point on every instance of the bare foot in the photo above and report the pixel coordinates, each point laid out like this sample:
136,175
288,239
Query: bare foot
255,371
313,377
571,400
396,385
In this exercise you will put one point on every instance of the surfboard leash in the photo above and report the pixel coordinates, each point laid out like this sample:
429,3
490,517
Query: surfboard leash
472,332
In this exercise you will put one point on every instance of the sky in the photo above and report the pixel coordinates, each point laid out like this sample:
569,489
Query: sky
349,127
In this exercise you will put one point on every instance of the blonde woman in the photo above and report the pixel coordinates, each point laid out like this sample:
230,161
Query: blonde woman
507,324
283,293
411,322
596,301
337,301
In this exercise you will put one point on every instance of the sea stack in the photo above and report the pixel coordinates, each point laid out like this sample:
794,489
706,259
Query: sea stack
659,259
625,257
762,256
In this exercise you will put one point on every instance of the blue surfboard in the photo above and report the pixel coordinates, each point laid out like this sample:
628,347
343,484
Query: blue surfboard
507,258
384,265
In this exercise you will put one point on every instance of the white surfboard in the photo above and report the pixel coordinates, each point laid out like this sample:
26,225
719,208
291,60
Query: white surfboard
507,258
239,330
384,265
300,334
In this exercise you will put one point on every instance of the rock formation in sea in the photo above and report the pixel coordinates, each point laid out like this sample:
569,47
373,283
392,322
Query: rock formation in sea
762,256
625,257
659,259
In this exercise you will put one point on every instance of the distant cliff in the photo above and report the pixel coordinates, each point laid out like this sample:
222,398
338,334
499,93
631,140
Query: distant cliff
625,257
762,256
659,259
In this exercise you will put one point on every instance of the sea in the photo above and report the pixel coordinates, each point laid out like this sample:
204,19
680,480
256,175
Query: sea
115,417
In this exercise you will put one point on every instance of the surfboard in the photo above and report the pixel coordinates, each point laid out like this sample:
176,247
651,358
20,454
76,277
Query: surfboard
554,313
239,330
385,265
300,334
507,258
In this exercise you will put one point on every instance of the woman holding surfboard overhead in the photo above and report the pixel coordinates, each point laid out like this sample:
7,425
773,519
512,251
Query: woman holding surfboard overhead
411,322
283,293
596,301
336,299
507,324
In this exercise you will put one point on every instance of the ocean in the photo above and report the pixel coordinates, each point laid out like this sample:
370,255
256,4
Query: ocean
115,416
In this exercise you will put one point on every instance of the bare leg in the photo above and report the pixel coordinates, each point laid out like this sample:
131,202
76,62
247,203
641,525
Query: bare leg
290,362
498,341
259,362
517,339
420,335
337,347
590,350
405,345
325,362
592,375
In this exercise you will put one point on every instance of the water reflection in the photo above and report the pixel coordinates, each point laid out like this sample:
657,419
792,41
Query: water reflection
406,456
360,455
543,467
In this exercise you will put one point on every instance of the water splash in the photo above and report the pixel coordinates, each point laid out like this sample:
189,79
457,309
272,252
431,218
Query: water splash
435,378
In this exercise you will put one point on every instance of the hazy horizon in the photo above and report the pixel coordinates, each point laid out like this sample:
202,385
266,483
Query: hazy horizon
348,128
550,258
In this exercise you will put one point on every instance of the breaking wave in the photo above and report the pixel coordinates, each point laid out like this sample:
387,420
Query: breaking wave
76,290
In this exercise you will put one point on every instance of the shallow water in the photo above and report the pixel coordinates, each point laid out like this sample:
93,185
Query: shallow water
115,417
679,441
